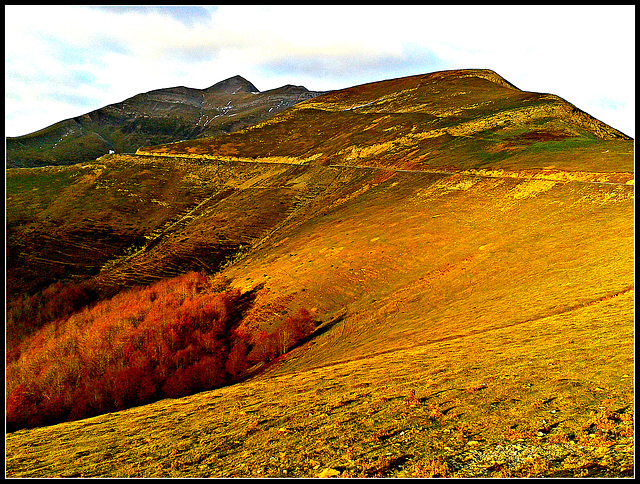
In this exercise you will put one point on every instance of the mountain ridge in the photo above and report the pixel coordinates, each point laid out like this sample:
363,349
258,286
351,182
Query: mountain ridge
160,115
415,114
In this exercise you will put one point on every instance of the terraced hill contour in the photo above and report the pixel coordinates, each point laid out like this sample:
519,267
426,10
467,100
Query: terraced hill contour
466,248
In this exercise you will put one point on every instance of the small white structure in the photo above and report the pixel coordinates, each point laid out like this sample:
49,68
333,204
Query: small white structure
111,152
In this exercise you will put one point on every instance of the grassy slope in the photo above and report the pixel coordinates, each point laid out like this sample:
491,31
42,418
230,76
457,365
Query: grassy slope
359,417
56,214
141,218
437,256
461,312
425,122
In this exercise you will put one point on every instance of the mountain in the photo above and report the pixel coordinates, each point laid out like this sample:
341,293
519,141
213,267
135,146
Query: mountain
158,116
480,118
233,85
465,248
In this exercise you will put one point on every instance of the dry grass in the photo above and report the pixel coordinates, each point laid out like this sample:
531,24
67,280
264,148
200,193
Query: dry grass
479,323
472,316
399,413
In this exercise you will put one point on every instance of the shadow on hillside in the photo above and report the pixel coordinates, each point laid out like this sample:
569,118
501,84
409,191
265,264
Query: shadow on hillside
321,329
246,300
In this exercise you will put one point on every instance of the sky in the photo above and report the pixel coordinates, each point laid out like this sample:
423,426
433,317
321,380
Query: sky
64,61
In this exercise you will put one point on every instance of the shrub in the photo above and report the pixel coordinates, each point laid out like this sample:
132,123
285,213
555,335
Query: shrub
27,314
293,329
170,339
264,347
237,360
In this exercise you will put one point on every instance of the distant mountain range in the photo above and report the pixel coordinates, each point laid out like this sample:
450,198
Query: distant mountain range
155,117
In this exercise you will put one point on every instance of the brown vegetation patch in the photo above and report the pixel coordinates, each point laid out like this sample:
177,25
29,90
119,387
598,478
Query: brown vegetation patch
540,135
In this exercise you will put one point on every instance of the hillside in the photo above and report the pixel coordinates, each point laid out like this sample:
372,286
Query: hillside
465,248
452,120
159,116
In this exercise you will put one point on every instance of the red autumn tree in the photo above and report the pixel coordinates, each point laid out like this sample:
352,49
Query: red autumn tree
293,329
237,360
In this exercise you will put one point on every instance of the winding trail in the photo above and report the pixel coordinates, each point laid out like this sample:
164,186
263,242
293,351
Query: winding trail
507,174
479,175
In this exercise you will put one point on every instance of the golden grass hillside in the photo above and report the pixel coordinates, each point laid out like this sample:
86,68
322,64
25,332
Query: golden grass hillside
474,293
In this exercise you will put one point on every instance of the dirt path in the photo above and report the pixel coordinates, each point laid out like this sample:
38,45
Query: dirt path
507,174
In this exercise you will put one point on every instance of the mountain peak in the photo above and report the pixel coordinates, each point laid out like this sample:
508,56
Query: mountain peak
233,84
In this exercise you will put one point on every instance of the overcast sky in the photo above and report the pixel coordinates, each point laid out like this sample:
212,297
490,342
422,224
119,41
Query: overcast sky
63,61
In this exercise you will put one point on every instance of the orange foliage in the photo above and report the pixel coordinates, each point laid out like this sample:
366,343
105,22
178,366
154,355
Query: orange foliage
29,313
267,346
170,339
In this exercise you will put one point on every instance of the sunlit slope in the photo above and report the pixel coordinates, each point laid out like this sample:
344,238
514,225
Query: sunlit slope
452,119
480,404
413,258
468,255
487,330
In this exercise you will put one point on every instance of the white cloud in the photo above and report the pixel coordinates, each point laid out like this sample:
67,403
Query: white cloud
582,53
